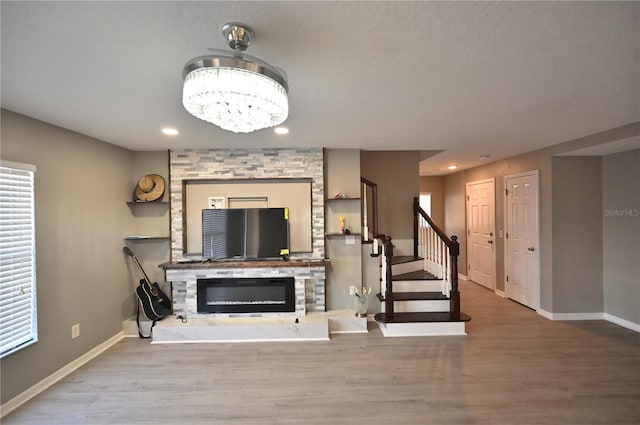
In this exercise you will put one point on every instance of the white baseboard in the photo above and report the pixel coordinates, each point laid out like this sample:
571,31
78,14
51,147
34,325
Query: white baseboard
571,316
545,314
591,316
500,293
578,316
462,277
28,394
622,322
130,328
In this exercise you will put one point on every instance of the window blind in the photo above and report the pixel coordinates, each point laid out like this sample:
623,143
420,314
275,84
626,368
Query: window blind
18,321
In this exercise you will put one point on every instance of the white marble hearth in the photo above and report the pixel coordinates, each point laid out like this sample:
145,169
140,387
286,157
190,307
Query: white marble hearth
313,327
238,330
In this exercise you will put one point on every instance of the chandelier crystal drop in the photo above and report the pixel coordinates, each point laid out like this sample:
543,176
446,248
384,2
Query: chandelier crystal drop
235,91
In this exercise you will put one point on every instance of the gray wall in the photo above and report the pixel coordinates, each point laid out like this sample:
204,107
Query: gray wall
397,175
577,234
454,214
342,174
621,235
151,218
82,186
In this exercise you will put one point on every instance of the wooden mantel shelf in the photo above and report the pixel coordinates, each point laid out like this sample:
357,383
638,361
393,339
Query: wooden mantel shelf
187,265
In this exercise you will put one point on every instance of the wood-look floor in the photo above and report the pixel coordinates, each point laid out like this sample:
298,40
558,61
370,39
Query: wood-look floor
513,368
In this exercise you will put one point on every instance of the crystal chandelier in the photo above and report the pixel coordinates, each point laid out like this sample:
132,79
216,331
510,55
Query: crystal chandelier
233,90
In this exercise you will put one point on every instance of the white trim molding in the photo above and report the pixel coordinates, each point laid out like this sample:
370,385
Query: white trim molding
570,316
462,276
36,389
578,316
591,316
622,322
544,313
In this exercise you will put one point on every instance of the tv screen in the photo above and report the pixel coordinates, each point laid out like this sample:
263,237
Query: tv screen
245,233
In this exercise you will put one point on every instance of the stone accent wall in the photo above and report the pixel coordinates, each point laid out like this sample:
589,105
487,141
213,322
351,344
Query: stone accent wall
309,287
285,163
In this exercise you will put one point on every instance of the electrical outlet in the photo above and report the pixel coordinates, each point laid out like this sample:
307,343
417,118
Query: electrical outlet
352,290
75,331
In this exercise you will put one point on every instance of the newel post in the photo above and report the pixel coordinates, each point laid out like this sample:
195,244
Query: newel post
416,203
388,294
454,300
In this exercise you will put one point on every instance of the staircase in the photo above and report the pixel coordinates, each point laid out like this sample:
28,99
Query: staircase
421,296
419,306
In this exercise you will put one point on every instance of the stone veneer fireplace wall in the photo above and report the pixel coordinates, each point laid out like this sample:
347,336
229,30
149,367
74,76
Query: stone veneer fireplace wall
229,164
309,286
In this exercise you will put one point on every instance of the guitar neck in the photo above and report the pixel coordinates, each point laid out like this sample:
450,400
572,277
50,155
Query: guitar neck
138,265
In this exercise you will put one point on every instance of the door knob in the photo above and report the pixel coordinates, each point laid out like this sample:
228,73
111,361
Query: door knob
531,249
489,241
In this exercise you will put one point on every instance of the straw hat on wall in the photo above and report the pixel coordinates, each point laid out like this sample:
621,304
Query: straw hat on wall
150,188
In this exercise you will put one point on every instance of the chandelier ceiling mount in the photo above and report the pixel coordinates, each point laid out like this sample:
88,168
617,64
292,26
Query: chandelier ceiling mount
238,35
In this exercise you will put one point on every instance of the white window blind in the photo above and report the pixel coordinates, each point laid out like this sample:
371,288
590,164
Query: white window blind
18,324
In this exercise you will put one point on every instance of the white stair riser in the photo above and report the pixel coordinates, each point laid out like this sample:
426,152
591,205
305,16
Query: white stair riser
411,266
417,286
422,329
418,305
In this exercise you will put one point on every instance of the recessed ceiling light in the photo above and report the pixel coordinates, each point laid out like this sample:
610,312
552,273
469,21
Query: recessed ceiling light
281,130
452,167
169,131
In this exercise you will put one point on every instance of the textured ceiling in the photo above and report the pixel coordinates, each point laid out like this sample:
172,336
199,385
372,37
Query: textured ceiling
462,78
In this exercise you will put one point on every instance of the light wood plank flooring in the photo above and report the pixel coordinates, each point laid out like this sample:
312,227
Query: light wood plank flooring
513,368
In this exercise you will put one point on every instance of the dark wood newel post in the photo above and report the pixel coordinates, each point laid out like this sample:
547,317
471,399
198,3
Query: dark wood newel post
388,294
416,204
454,301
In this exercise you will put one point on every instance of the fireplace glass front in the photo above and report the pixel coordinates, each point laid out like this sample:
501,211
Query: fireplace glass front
246,295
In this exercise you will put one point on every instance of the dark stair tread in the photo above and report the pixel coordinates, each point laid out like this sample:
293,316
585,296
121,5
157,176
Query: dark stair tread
400,259
415,296
418,317
416,275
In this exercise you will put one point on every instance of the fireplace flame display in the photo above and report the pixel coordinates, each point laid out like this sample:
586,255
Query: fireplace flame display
246,295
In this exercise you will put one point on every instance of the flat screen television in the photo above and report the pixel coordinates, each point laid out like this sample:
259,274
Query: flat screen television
245,233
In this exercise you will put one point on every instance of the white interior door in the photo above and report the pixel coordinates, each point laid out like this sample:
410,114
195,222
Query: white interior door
481,257
522,263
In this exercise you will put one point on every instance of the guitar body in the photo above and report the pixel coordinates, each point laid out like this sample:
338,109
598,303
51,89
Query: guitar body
155,304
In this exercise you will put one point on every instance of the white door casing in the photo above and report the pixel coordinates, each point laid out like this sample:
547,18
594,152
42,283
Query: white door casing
522,253
481,252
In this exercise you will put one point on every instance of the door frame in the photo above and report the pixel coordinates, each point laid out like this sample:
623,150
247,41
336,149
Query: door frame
536,174
491,180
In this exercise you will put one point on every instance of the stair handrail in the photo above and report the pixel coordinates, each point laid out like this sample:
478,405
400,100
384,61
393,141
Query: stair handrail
417,210
453,247
368,184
